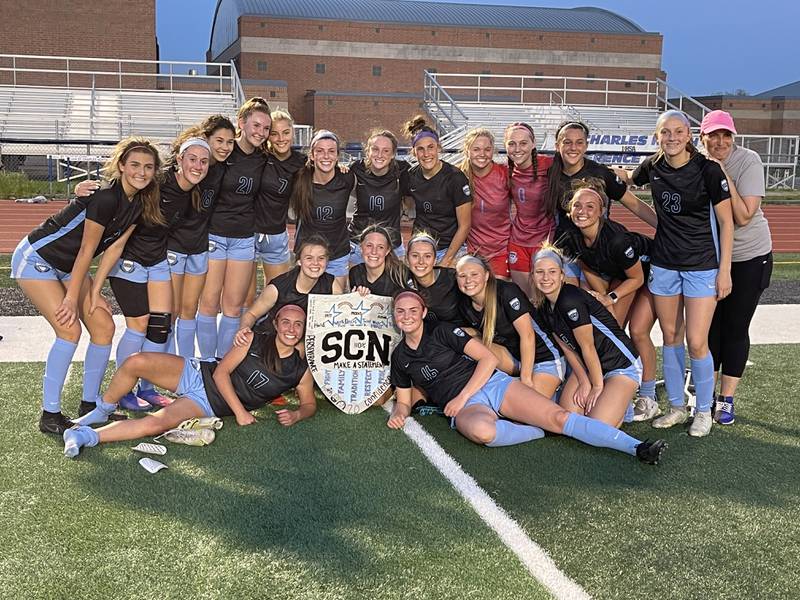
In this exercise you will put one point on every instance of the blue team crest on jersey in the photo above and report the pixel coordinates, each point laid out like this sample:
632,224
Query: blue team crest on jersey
514,302
466,190
629,252
128,266
42,267
573,314
212,245
724,184
172,258
459,332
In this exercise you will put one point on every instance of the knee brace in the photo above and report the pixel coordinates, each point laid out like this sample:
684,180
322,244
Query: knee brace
158,327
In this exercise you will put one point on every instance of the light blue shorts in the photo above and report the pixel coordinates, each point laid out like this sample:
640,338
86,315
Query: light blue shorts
692,284
492,393
191,386
633,372
27,264
356,258
131,270
556,368
338,267
229,248
461,252
191,264
273,249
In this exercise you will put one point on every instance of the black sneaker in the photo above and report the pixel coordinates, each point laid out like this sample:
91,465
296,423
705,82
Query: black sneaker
87,407
650,452
56,423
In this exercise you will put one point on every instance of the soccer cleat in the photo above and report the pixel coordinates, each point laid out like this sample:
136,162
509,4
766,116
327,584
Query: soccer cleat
701,425
675,416
723,413
130,402
201,423
645,408
189,437
153,398
650,452
87,407
56,423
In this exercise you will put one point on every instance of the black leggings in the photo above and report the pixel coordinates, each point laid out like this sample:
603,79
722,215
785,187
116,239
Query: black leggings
729,337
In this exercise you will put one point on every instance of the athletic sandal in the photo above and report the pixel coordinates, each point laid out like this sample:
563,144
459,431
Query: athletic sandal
650,452
130,402
56,423
189,437
201,423
153,398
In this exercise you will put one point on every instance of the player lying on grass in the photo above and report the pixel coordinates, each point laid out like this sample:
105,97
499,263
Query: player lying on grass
246,379
458,373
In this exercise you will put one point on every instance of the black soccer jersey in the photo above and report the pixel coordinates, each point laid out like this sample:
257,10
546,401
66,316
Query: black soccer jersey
379,199
58,239
382,286
684,199
615,188
575,307
254,384
511,305
190,236
441,296
436,200
234,214
329,214
148,243
614,250
286,284
272,202
438,366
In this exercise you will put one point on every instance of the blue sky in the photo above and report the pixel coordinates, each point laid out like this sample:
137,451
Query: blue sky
709,45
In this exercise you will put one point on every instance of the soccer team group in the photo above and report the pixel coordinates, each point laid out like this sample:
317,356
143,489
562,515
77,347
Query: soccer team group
523,306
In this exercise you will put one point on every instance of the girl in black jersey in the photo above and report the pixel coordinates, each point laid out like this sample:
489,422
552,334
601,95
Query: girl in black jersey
381,272
381,184
441,194
489,407
501,314
51,266
690,262
246,379
436,284
319,199
616,263
606,369
570,163
187,246
293,287
230,243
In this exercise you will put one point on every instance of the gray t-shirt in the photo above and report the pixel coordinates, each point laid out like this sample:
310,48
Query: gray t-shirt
747,171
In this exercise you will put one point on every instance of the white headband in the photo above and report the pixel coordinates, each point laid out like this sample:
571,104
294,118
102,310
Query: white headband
194,142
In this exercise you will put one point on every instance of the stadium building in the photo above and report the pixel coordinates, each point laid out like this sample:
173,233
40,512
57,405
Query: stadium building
330,61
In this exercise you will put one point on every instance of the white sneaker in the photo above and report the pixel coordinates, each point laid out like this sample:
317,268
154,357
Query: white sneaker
645,408
190,437
701,426
675,416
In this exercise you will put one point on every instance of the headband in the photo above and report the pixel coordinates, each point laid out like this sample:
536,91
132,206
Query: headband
194,142
423,134
324,134
144,147
591,191
573,125
410,294
423,237
521,125
551,254
374,229
290,307
468,258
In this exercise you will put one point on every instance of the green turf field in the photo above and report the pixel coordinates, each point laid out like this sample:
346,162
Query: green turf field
342,507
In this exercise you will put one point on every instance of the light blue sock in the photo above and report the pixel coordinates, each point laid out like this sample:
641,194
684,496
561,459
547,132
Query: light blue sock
98,415
130,343
185,336
674,373
94,367
55,372
76,438
508,433
207,335
228,326
703,376
150,346
596,433
628,418
648,388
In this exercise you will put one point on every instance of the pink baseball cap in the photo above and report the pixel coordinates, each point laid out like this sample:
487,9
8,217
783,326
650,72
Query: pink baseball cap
717,119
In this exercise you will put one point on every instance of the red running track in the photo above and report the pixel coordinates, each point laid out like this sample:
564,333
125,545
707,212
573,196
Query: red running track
17,220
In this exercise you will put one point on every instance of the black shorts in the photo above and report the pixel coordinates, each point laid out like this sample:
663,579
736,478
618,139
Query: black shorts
131,297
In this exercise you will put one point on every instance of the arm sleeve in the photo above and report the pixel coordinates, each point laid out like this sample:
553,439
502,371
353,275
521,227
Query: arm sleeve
451,336
750,181
624,251
397,375
514,303
641,176
615,187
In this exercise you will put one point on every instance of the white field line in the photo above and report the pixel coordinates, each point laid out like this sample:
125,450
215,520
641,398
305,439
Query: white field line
532,556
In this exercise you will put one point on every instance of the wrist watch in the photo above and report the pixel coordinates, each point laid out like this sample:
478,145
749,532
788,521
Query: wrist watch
613,296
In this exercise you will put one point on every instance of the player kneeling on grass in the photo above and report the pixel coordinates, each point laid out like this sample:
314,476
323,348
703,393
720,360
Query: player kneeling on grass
458,373
246,379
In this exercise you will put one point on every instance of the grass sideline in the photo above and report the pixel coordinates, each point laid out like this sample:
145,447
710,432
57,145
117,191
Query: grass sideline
341,507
